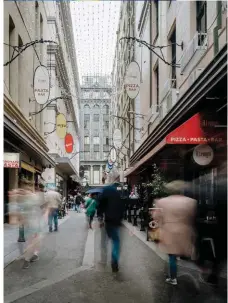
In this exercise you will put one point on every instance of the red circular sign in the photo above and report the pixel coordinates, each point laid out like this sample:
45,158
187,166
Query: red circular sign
69,143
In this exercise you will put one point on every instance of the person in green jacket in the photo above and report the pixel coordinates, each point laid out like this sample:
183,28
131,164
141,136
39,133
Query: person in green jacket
91,206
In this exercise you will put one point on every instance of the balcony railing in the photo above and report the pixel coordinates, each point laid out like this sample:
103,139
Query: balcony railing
167,103
199,42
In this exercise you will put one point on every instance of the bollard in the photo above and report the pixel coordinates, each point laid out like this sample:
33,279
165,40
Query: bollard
21,237
129,214
135,216
142,221
125,212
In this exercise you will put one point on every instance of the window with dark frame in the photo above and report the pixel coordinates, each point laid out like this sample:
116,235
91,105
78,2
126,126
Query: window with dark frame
149,128
201,20
86,147
156,73
106,125
86,124
11,42
173,57
156,4
96,147
96,117
86,117
86,140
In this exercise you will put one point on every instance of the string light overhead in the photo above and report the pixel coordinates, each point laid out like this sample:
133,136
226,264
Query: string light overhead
95,24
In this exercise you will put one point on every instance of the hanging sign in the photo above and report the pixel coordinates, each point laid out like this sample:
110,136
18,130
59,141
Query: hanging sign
112,155
203,154
110,164
132,80
61,125
49,175
117,138
69,143
11,160
41,84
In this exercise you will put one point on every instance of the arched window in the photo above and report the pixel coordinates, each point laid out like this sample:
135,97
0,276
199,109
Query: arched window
105,109
86,109
96,106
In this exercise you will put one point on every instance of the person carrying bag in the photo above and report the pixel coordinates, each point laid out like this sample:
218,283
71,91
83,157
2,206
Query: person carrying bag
91,206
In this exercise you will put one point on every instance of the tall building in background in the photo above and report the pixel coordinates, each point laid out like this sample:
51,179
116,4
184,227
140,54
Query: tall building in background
95,130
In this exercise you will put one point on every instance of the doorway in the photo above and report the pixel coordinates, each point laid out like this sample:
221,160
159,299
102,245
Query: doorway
6,195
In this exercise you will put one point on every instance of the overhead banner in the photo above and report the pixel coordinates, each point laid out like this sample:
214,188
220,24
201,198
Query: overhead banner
11,160
41,84
61,126
132,80
117,138
69,143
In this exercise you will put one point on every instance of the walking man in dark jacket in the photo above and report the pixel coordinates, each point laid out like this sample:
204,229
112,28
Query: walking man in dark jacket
110,214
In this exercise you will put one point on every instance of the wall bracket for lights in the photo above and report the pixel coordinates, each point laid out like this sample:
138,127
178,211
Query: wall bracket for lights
22,48
152,48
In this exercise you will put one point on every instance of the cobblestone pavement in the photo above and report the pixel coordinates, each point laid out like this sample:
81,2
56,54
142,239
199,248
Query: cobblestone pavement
141,279
60,252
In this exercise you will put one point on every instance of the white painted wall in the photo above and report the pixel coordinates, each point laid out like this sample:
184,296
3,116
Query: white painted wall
183,14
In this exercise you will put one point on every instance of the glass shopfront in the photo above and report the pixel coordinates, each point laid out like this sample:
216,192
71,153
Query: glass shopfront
59,184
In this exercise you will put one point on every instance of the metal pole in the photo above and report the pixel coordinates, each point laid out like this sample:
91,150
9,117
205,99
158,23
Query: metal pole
21,237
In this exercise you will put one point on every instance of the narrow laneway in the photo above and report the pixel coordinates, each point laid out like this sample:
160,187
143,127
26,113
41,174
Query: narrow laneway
141,277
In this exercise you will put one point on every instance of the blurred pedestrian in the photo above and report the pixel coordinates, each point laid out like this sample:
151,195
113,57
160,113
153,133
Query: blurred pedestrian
110,214
176,221
216,231
53,199
78,201
91,206
30,216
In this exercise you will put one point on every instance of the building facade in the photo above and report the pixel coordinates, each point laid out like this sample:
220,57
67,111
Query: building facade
182,93
62,65
95,127
121,106
29,148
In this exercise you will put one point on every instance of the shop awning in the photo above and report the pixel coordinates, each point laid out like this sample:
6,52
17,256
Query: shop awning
65,165
208,81
199,129
145,158
15,135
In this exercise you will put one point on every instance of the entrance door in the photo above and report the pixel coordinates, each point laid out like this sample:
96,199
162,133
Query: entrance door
6,195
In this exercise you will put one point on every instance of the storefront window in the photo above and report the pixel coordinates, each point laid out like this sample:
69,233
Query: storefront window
206,181
59,184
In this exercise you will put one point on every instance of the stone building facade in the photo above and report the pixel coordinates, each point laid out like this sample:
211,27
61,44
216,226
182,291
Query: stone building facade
95,130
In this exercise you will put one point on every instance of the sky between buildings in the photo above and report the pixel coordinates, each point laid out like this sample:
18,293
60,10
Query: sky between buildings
95,24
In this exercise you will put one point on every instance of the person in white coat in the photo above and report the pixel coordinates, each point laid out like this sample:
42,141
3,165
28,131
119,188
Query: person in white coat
53,199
